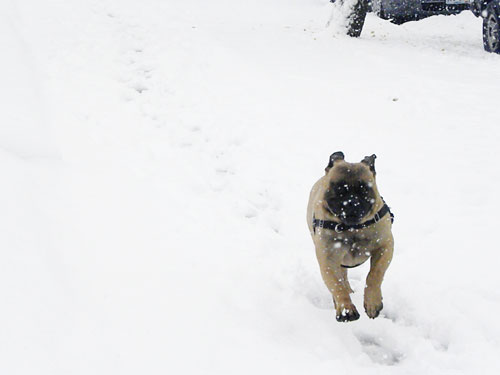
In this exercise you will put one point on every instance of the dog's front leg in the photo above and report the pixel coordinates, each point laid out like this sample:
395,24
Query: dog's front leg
380,261
330,261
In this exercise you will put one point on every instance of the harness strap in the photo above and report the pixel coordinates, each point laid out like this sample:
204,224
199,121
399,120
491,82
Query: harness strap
341,227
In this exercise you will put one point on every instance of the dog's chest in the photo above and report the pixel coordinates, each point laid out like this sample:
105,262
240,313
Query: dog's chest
353,241
358,247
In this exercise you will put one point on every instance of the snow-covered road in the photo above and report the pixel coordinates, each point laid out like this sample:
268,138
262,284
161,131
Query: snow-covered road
157,159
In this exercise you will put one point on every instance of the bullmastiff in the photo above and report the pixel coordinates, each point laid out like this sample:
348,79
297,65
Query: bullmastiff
349,224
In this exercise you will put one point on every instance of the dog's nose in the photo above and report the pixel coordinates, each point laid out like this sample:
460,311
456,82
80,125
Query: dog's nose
351,201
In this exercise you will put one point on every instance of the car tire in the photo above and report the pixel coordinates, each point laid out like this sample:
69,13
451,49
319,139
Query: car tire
356,19
491,29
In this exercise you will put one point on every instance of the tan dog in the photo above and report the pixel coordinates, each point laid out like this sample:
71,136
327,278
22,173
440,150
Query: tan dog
349,223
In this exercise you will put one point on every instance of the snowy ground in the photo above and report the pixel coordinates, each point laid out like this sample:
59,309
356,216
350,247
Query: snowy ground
157,158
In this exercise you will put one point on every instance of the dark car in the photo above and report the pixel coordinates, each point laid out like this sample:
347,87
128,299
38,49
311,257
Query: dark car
490,11
401,11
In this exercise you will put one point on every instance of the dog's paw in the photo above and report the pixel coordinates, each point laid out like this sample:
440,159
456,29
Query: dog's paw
347,314
373,310
373,302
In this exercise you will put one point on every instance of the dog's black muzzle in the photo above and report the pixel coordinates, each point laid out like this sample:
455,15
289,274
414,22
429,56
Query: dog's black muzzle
351,209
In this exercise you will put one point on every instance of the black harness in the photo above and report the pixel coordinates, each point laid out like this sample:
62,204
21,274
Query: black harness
341,227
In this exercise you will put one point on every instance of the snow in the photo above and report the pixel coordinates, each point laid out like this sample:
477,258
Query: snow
157,158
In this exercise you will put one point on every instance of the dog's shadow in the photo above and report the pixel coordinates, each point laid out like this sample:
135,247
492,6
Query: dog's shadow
394,335
374,346
378,351
377,346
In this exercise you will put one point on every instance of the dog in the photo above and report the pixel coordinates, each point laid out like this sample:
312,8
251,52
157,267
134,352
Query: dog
349,224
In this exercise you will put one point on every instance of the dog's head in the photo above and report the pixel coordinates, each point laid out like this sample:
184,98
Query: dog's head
351,193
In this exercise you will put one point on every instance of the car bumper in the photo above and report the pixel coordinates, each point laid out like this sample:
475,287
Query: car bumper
411,10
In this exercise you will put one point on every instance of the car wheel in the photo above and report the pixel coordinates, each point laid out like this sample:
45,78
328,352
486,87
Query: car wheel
356,19
491,29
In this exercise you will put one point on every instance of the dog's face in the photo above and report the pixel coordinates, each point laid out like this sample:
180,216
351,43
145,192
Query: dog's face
352,193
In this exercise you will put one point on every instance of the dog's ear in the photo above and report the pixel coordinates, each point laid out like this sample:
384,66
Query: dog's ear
339,155
370,162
